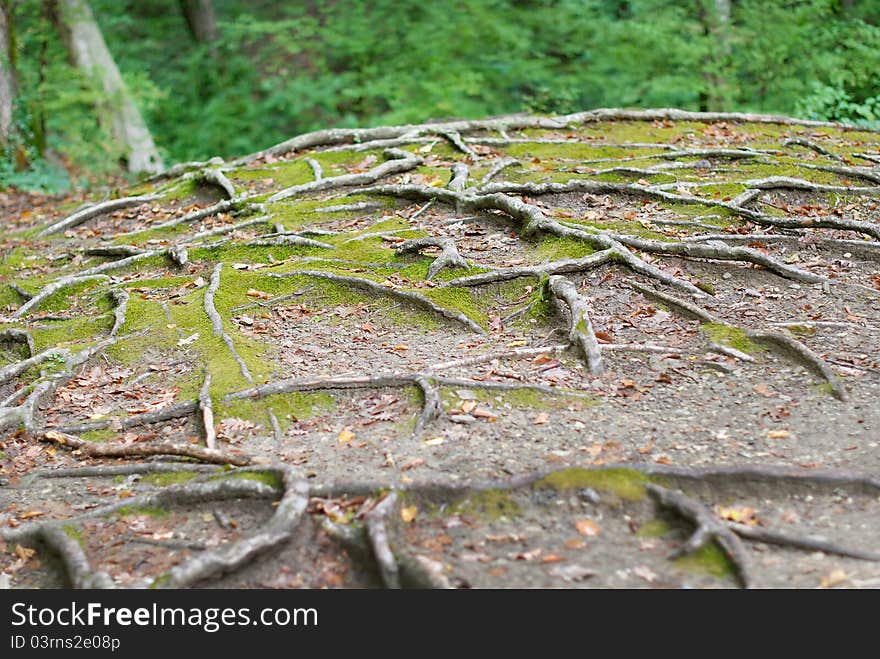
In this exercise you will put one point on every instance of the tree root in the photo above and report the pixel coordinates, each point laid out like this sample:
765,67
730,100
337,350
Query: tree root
74,559
288,239
806,356
120,298
55,286
432,406
448,258
207,412
553,268
798,542
213,176
400,162
16,335
95,210
227,558
497,168
142,450
513,353
317,170
375,287
708,528
581,330
217,322
377,532
778,340
165,414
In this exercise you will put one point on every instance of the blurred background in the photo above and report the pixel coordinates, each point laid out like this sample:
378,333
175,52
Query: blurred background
226,77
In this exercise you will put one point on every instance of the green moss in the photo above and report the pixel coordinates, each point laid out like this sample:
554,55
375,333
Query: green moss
733,337
288,408
73,532
705,286
709,559
169,478
654,528
803,330
488,504
102,435
554,248
625,483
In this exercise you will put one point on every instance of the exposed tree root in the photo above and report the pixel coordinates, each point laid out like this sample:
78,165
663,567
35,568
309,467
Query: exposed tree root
377,532
217,322
448,258
212,176
120,298
76,564
227,558
317,170
708,528
142,450
95,210
55,286
175,411
553,268
806,356
581,330
798,542
16,335
207,411
374,287
400,161
460,173
513,353
432,406
288,239
497,168
685,306
801,141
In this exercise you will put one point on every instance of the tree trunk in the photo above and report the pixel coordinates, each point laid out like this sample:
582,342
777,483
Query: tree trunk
89,52
7,71
715,17
201,19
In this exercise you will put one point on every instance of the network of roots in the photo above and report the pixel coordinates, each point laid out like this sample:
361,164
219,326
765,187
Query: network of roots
405,275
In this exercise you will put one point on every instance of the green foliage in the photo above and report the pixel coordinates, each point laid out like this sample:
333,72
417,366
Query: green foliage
281,68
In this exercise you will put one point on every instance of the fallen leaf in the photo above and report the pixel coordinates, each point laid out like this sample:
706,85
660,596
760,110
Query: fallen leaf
408,513
587,527
24,553
345,436
469,406
575,543
833,578
253,292
645,573
552,558
541,418
740,515
778,434
434,441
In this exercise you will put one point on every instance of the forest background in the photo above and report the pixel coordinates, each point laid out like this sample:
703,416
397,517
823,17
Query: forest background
237,75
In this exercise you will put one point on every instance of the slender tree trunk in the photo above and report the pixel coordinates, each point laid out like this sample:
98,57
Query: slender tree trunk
89,53
201,19
7,71
715,17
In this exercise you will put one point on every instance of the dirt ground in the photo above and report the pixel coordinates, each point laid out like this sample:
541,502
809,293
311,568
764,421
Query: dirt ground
608,350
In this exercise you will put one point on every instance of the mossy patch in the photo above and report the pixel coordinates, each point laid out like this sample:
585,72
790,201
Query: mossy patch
732,337
74,532
654,528
490,505
710,559
269,478
627,484
169,478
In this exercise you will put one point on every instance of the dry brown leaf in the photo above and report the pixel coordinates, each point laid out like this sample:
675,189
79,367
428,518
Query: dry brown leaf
345,436
778,434
587,527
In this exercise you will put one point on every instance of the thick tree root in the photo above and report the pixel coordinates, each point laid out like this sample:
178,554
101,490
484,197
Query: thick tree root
16,335
227,558
95,210
115,450
374,287
207,411
52,288
377,532
175,411
217,322
798,542
448,258
120,298
76,564
400,162
708,528
581,329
